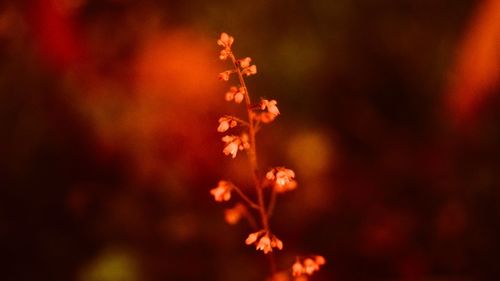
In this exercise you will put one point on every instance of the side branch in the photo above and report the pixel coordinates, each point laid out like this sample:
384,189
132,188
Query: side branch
244,197
272,202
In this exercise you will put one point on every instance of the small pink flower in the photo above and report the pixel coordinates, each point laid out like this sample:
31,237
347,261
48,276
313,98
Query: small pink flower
287,187
233,215
232,143
276,243
225,40
252,237
251,70
246,68
225,123
310,266
270,106
222,192
270,175
230,94
282,178
320,260
265,243
235,94
224,76
297,269
235,143
307,266
265,117
223,126
244,63
224,54
238,97
269,113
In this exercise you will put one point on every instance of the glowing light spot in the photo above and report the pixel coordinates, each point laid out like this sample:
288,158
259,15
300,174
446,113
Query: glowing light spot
112,265
311,153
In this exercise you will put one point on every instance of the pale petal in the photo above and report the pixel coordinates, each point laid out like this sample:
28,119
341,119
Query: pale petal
223,126
238,97
252,237
297,269
320,260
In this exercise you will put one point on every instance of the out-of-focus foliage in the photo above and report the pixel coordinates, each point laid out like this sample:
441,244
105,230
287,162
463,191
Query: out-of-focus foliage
113,265
108,117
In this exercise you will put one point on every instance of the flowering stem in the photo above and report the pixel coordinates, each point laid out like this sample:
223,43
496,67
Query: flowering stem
252,155
278,179
252,151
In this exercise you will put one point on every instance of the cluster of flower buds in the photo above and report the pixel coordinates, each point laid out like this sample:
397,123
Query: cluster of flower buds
225,41
222,192
225,123
235,143
270,106
235,94
245,66
282,179
242,65
308,265
268,111
264,241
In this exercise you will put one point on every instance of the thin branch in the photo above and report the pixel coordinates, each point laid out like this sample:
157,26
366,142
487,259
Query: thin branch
272,263
244,197
251,220
257,126
243,122
272,202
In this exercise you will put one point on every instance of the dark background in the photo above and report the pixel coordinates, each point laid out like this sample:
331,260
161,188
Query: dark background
390,117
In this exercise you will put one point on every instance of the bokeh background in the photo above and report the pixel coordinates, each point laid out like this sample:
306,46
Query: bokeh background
390,118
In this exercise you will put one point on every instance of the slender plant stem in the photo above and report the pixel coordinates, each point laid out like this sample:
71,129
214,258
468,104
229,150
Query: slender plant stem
244,197
251,220
252,155
272,264
272,203
243,122
252,151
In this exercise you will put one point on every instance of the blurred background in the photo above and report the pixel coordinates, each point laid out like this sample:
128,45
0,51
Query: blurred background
390,116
